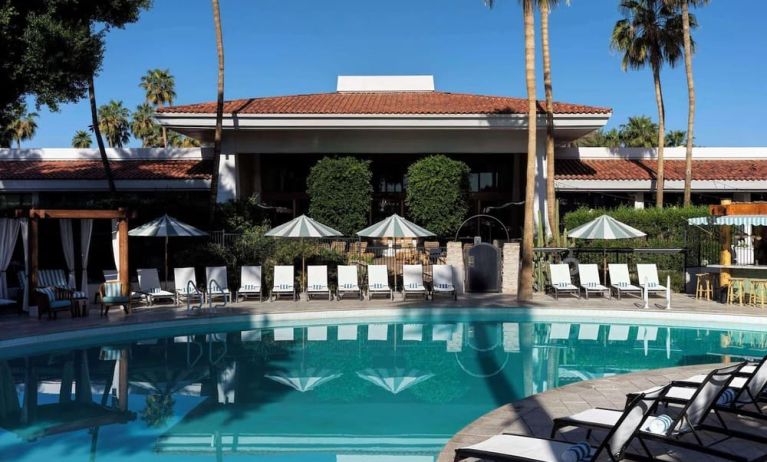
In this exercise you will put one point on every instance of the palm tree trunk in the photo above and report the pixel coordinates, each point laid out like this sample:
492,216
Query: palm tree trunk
691,104
525,284
99,139
661,136
165,137
551,197
219,112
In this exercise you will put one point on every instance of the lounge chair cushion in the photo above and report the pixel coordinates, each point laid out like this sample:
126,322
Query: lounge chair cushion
48,292
523,448
115,299
283,287
250,288
61,305
318,287
379,286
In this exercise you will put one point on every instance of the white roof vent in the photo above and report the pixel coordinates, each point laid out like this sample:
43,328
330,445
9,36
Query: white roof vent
362,83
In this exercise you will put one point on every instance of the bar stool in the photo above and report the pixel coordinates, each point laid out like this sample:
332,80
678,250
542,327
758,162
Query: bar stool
703,286
735,290
758,292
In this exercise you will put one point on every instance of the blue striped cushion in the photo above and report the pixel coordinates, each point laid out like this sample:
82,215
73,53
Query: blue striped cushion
250,287
48,292
112,290
580,452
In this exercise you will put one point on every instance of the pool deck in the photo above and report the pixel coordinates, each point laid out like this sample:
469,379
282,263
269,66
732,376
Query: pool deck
534,415
683,307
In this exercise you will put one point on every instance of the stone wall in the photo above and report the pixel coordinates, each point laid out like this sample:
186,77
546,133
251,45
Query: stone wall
455,258
510,268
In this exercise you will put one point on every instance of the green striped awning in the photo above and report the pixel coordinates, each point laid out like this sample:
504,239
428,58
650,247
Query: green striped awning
303,226
395,227
731,220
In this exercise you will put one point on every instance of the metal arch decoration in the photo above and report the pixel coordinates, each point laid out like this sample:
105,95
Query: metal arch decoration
482,215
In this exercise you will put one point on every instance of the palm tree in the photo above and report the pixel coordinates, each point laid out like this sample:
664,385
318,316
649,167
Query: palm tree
160,88
639,132
81,140
144,127
675,138
600,139
219,109
650,34
545,7
23,127
688,23
99,139
178,140
113,121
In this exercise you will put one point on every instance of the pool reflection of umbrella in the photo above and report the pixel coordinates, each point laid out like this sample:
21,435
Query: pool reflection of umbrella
304,380
394,380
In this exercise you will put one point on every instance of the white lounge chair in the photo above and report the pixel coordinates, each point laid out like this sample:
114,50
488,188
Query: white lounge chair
317,282
620,280
250,283
284,282
412,281
590,283
442,276
217,284
149,286
378,281
535,449
347,282
185,282
648,278
560,280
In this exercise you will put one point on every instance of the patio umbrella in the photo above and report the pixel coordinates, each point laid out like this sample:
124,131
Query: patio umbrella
605,228
394,380
166,226
303,227
304,380
395,227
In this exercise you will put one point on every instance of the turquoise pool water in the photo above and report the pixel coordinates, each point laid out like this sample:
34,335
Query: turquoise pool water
375,389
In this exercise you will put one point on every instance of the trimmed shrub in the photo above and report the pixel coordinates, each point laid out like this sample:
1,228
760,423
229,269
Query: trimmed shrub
437,192
340,193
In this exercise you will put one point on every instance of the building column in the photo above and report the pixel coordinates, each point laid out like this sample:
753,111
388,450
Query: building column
227,178
638,200
540,207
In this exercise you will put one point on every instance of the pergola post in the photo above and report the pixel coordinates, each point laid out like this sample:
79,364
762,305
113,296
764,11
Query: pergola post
34,231
725,255
123,271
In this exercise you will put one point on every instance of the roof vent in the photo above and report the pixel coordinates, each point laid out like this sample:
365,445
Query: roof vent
364,83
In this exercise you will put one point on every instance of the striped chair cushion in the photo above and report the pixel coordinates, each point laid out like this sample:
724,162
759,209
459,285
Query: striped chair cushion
250,287
348,286
284,286
112,289
49,292
377,285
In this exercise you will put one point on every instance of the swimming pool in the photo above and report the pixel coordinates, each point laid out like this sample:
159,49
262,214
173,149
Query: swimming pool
325,389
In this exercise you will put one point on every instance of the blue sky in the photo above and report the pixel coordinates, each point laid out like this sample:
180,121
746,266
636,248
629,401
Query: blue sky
278,47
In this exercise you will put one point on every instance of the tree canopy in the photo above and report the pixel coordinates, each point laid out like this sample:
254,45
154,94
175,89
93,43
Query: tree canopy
340,192
437,192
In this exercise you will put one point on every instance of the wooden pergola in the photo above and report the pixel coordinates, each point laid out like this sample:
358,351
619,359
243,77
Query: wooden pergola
35,215
729,208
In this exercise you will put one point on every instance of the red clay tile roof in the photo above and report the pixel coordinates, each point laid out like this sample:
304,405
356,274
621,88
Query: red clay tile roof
404,102
626,169
94,170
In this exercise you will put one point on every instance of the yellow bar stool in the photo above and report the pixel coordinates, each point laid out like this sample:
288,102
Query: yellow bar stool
758,292
703,286
735,290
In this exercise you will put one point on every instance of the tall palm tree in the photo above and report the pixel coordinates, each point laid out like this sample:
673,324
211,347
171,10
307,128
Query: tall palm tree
160,88
219,109
675,138
639,132
81,140
688,23
113,121
145,128
525,281
650,34
23,127
551,198
99,138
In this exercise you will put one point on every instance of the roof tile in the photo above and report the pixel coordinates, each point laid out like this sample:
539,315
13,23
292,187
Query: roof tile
94,170
630,169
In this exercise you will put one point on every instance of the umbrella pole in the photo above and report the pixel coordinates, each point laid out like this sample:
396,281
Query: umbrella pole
604,264
166,262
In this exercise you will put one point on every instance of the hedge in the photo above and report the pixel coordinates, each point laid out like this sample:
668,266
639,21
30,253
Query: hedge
340,193
437,192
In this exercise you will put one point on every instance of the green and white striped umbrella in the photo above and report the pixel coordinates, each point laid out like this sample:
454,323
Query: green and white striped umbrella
394,380
166,226
396,227
303,227
605,227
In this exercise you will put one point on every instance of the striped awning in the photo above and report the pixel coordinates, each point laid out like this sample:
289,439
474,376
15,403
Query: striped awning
731,220
166,226
605,227
303,226
396,227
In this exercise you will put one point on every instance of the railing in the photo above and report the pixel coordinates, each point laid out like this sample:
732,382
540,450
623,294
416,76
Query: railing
670,262
223,238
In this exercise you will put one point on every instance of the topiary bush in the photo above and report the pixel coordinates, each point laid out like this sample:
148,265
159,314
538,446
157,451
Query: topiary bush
437,193
340,193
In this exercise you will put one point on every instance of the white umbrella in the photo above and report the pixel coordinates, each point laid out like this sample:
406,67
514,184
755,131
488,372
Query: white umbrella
606,228
394,380
303,227
304,380
166,226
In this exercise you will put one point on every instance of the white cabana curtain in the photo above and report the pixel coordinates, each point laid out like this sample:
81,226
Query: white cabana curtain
86,229
68,246
9,230
116,245
24,226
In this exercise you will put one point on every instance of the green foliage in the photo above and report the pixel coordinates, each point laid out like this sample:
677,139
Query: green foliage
81,140
239,215
159,408
340,193
144,127
23,126
113,123
637,132
437,192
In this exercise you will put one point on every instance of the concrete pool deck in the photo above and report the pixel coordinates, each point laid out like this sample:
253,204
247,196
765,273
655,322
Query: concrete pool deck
684,309
534,415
